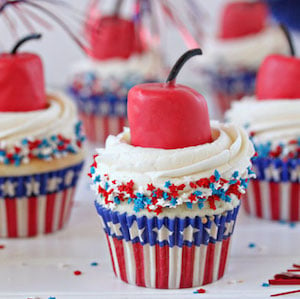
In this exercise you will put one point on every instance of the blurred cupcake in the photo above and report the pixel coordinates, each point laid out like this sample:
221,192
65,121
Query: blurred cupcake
168,198
118,59
286,12
273,121
232,58
40,149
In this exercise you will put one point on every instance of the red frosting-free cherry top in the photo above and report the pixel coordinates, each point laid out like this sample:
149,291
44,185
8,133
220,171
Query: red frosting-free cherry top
278,78
113,37
243,18
22,86
168,116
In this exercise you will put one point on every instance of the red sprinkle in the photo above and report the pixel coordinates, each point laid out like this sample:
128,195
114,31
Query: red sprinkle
200,291
77,272
2,246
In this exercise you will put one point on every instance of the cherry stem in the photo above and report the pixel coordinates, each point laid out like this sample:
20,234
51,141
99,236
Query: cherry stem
289,39
179,64
117,7
24,40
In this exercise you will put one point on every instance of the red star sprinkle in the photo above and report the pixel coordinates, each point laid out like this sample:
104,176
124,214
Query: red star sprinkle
77,272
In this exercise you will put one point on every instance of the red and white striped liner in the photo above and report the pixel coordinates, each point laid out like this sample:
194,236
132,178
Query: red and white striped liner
98,128
31,216
273,200
166,267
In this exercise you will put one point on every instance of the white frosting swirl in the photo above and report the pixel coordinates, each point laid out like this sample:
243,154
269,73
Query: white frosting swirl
230,151
245,52
276,121
59,117
147,64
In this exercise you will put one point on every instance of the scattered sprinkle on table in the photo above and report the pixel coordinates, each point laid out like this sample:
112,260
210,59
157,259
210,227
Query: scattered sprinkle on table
2,246
94,264
292,224
52,297
265,284
200,291
77,272
251,245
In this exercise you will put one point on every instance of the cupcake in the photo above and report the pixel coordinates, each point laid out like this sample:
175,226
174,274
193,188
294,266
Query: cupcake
286,12
244,39
118,59
272,120
168,190
40,149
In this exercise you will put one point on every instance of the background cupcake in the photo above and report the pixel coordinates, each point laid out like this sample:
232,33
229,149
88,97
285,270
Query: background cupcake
244,39
40,149
119,57
272,119
169,198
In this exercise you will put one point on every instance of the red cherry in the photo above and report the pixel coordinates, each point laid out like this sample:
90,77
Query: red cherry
167,115
243,18
113,37
278,76
22,81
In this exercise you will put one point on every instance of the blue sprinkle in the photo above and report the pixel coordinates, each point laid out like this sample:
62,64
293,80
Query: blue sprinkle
251,245
94,264
189,205
197,193
292,224
282,221
117,200
235,174
52,297
217,175
165,196
200,205
265,284
167,184
93,170
106,186
24,142
97,178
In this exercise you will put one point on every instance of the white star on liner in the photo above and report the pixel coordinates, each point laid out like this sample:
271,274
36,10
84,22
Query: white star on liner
163,233
69,177
115,228
229,227
8,188
53,183
136,232
188,233
32,187
213,230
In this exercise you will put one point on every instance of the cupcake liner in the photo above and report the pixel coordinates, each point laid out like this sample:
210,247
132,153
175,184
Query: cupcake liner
273,200
36,204
168,253
228,87
275,193
98,128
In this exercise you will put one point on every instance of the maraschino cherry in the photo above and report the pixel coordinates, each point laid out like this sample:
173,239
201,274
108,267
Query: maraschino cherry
243,18
22,80
168,115
111,36
279,76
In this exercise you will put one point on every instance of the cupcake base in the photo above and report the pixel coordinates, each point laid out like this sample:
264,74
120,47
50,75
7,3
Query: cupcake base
37,204
273,200
168,253
98,128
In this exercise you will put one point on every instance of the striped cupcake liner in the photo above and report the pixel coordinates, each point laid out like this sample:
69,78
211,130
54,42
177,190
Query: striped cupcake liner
98,128
168,253
231,87
273,200
37,204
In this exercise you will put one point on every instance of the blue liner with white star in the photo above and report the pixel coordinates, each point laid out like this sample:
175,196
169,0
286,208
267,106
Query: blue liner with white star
276,169
168,231
39,184
235,83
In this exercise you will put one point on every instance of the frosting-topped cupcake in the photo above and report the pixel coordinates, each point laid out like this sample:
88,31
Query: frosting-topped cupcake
41,151
272,120
118,59
233,56
169,189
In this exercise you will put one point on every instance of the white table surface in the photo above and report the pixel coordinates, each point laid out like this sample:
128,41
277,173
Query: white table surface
42,267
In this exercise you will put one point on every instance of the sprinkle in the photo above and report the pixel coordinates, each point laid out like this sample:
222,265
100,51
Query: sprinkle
94,264
200,291
265,284
77,272
2,246
251,245
52,297
292,224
